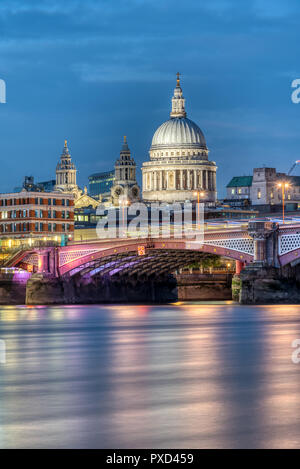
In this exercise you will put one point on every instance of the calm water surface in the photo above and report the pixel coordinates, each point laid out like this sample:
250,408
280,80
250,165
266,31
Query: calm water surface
184,375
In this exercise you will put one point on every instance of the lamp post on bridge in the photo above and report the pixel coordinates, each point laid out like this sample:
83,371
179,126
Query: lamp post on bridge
200,194
283,186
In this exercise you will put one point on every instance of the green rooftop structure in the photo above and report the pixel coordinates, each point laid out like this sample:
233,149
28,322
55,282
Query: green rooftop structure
240,181
263,189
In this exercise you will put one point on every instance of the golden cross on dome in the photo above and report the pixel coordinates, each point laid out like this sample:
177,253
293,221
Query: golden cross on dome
66,143
178,79
125,141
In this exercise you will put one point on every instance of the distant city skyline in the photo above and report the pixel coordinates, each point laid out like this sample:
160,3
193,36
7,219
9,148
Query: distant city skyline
91,72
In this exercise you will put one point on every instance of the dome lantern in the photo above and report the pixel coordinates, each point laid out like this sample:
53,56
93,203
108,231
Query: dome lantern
178,101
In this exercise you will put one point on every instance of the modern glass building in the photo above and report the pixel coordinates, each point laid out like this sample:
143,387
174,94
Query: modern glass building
101,183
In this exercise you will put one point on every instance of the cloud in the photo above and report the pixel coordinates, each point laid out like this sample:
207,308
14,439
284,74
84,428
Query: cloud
95,70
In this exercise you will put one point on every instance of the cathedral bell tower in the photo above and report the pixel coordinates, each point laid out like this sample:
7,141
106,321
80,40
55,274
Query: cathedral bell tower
125,188
66,172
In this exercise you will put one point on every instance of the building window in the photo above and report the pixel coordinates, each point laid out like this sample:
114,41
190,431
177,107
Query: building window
49,226
232,191
259,194
240,191
36,227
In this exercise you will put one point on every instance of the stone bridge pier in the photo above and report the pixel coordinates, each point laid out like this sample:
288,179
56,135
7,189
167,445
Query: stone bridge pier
265,280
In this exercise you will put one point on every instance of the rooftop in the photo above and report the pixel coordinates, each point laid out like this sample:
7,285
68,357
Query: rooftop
240,181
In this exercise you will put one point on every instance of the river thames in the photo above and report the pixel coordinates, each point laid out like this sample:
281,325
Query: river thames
175,376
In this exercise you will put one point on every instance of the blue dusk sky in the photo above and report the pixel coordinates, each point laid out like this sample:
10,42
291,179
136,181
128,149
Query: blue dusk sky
92,71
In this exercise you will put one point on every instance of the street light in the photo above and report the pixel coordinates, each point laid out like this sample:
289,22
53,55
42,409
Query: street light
283,185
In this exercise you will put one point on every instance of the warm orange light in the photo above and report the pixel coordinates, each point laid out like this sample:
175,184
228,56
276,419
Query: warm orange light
283,184
141,250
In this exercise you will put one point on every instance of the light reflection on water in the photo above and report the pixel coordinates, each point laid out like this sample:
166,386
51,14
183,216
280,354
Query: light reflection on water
183,375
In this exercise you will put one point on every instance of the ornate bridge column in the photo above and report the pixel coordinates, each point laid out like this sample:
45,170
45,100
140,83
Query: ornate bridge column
43,261
48,261
260,231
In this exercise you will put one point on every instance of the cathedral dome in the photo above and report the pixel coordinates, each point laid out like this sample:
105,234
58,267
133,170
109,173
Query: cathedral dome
179,168
178,132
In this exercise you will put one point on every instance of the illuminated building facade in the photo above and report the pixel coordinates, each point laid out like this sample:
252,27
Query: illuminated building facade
31,216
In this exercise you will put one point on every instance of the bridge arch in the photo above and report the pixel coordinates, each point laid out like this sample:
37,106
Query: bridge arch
157,256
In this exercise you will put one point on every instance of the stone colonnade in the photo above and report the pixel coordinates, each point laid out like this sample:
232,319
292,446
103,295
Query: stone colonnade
179,179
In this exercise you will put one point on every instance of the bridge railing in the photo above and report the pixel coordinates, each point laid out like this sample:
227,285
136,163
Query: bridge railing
27,247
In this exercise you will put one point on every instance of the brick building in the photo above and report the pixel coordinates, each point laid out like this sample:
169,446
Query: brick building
29,216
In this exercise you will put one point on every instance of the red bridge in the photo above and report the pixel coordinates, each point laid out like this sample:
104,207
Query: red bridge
261,242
